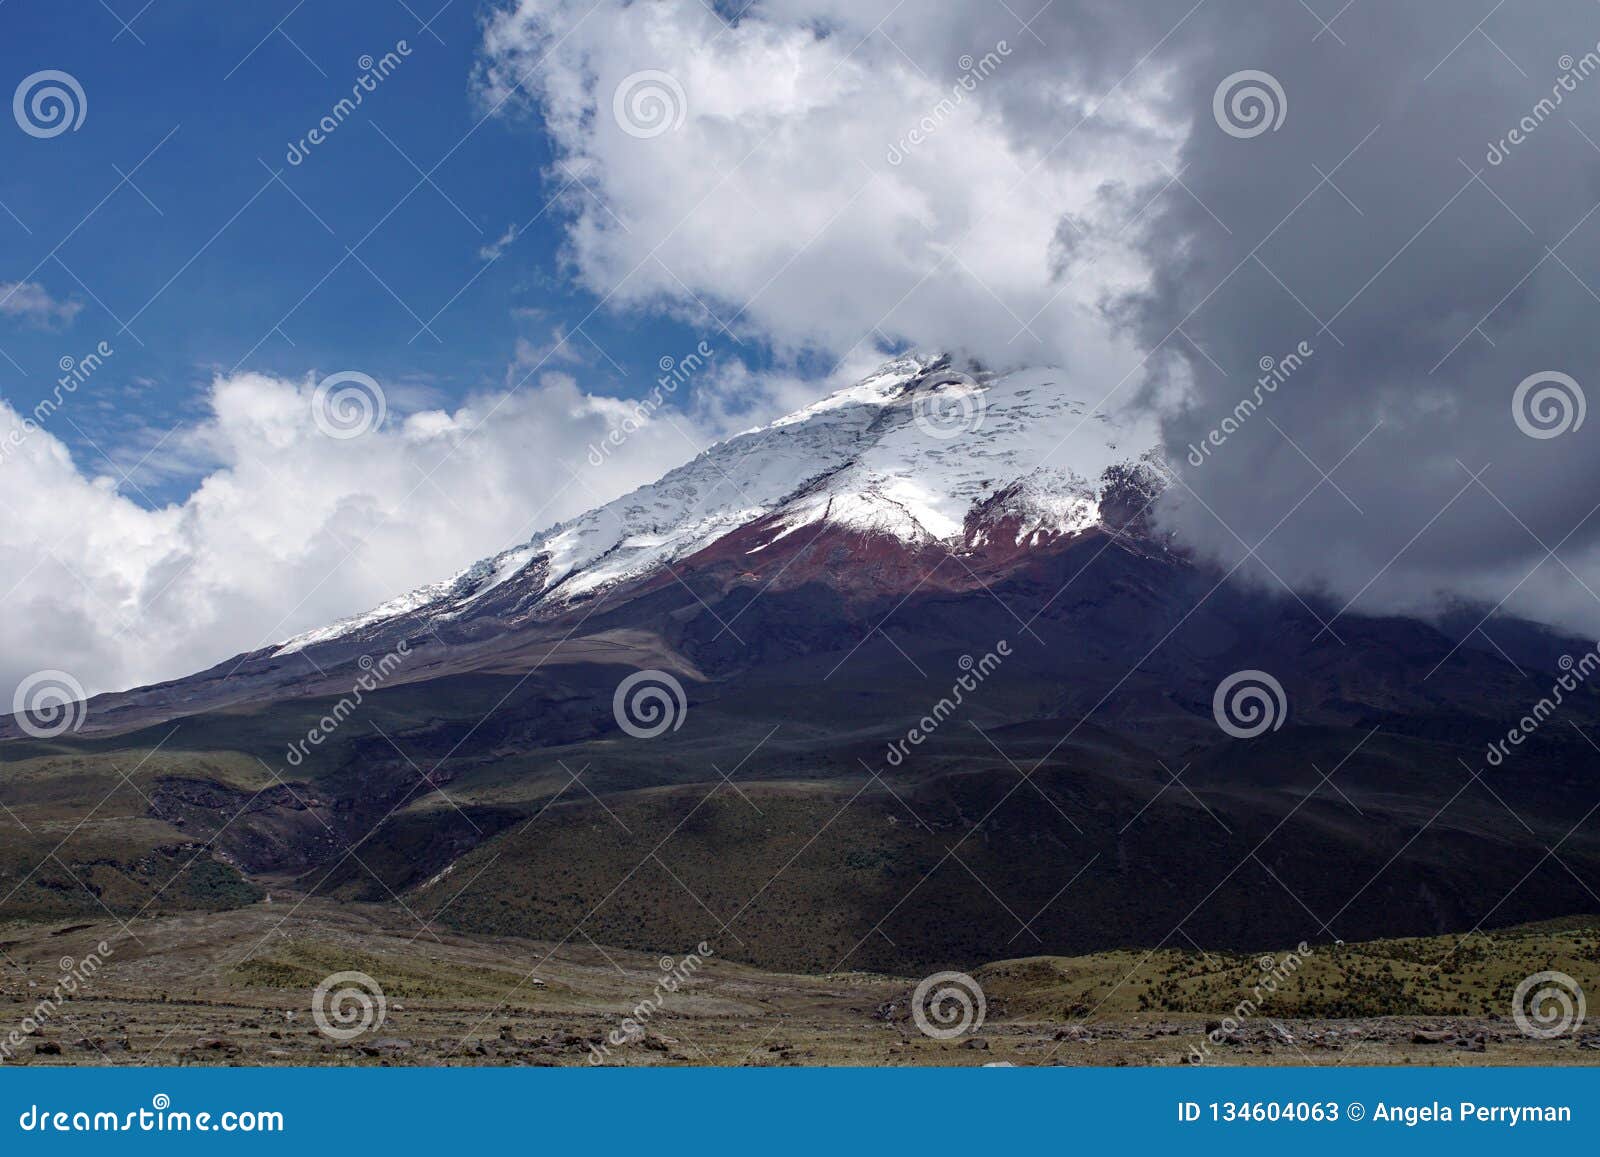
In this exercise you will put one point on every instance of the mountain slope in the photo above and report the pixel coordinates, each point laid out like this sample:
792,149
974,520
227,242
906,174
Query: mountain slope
818,589
915,464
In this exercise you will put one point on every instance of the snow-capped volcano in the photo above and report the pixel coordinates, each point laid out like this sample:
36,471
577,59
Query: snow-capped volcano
917,453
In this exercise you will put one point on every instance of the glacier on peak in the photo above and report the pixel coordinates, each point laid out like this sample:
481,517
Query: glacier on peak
863,459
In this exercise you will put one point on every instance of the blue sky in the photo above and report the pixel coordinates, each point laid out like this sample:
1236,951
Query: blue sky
175,227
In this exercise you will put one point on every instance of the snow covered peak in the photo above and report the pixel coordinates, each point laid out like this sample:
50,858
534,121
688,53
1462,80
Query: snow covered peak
910,452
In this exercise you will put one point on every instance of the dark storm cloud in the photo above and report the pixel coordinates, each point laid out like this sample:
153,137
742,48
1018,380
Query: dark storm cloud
1423,221
1431,259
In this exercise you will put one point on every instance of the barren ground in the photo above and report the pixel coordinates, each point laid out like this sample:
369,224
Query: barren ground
236,988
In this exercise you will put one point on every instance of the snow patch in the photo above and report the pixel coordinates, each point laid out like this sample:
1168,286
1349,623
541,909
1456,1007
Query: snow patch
856,459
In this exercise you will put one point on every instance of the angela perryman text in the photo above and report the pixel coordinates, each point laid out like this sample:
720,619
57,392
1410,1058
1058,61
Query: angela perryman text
1384,1112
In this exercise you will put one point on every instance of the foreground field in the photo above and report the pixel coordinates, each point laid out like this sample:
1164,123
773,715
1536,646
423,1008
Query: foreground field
238,987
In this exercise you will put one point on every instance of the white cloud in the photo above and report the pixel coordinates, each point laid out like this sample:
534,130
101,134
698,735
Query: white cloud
496,249
775,208
30,302
532,355
289,529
